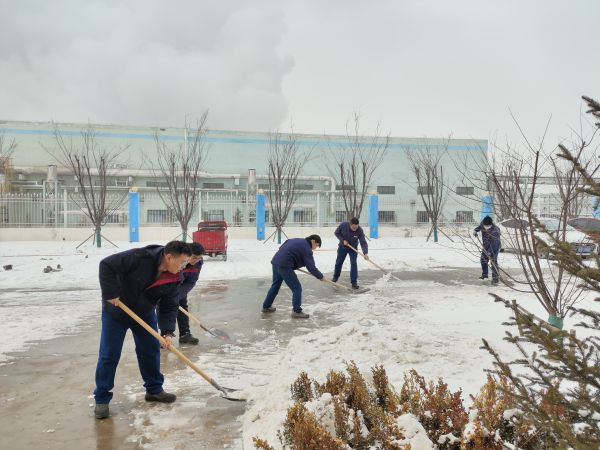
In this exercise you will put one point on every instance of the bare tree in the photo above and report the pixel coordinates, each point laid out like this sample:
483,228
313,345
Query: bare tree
91,166
181,168
7,147
556,387
285,162
353,163
426,164
515,183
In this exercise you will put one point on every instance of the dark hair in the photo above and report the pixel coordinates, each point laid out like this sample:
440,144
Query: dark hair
314,237
487,220
354,221
178,248
196,248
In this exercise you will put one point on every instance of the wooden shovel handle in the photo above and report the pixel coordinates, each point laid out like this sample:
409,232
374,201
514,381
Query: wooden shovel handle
323,279
162,341
376,265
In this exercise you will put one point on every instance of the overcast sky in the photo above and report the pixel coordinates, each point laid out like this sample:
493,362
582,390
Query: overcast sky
421,67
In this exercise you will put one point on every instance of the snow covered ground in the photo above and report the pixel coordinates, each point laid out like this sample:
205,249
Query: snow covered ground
433,327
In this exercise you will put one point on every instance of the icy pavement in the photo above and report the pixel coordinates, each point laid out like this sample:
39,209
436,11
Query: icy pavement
432,319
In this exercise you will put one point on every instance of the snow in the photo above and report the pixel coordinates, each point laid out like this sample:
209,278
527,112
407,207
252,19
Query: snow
422,324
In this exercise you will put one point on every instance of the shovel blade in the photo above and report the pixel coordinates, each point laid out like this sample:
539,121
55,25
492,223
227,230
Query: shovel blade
219,334
226,393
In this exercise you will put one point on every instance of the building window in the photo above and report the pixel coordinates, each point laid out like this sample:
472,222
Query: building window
304,187
303,216
422,217
389,190
157,184
158,216
213,186
386,216
121,183
345,187
424,190
213,214
112,218
264,186
340,216
465,190
464,216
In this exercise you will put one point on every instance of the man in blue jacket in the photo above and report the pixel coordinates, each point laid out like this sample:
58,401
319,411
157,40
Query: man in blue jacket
293,254
189,279
140,278
349,233
490,236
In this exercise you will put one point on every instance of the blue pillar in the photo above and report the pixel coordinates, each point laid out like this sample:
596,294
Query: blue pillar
260,216
596,205
134,216
486,206
373,216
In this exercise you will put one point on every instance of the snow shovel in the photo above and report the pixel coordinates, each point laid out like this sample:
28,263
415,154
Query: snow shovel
338,285
219,334
376,265
225,392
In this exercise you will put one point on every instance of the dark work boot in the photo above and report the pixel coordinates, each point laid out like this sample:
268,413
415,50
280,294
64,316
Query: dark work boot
162,397
495,281
334,279
101,411
483,277
299,315
270,309
355,286
187,338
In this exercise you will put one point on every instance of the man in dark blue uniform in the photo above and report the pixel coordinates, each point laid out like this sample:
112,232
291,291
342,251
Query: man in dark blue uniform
140,278
189,279
349,233
293,254
490,236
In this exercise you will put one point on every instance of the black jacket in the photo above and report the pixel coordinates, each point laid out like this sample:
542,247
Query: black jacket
133,276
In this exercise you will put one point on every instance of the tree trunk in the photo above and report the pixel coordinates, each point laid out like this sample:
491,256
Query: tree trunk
435,233
98,233
278,235
184,234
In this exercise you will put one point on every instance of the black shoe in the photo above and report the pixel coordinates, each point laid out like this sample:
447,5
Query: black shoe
101,411
270,309
483,278
334,280
299,315
355,286
187,338
495,281
162,397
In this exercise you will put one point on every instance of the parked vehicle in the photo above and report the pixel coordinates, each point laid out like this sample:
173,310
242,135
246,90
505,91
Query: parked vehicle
510,229
589,226
213,237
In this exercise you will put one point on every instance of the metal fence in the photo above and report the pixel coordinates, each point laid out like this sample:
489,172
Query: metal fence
238,208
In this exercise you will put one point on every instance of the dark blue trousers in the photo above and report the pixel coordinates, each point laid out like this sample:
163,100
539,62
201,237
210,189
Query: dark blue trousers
339,262
147,349
486,259
183,321
281,274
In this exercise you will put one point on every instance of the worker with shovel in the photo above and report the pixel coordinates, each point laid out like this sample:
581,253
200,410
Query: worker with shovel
350,234
188,281
490,235
138,279
293,254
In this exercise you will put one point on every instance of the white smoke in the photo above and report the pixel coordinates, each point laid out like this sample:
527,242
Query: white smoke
143,62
